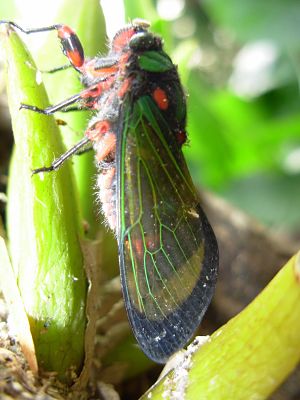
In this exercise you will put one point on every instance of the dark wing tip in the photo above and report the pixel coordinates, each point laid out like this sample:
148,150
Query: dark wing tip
159,339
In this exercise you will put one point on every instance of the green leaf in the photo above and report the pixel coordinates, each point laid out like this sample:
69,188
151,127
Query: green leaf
140,9
43,225
251,20
209,155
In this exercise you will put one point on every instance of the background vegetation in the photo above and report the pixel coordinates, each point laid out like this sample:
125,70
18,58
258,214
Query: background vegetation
240,64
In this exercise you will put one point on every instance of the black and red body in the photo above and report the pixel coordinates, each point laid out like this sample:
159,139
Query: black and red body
167,249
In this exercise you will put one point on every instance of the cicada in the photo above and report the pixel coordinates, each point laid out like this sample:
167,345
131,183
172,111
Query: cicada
168,252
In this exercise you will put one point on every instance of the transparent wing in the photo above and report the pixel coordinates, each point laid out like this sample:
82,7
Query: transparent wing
168,252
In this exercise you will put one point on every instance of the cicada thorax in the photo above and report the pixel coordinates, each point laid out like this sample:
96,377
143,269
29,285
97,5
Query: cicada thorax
99,69
110,75
129,72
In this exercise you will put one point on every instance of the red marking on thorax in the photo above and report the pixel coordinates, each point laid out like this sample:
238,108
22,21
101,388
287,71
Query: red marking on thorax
181,137
161,99
122,39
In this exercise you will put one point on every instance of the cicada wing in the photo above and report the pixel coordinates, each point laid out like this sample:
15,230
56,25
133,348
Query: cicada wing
168,251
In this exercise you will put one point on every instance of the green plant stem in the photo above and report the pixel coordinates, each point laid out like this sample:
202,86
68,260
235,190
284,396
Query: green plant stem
43,225
251,355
